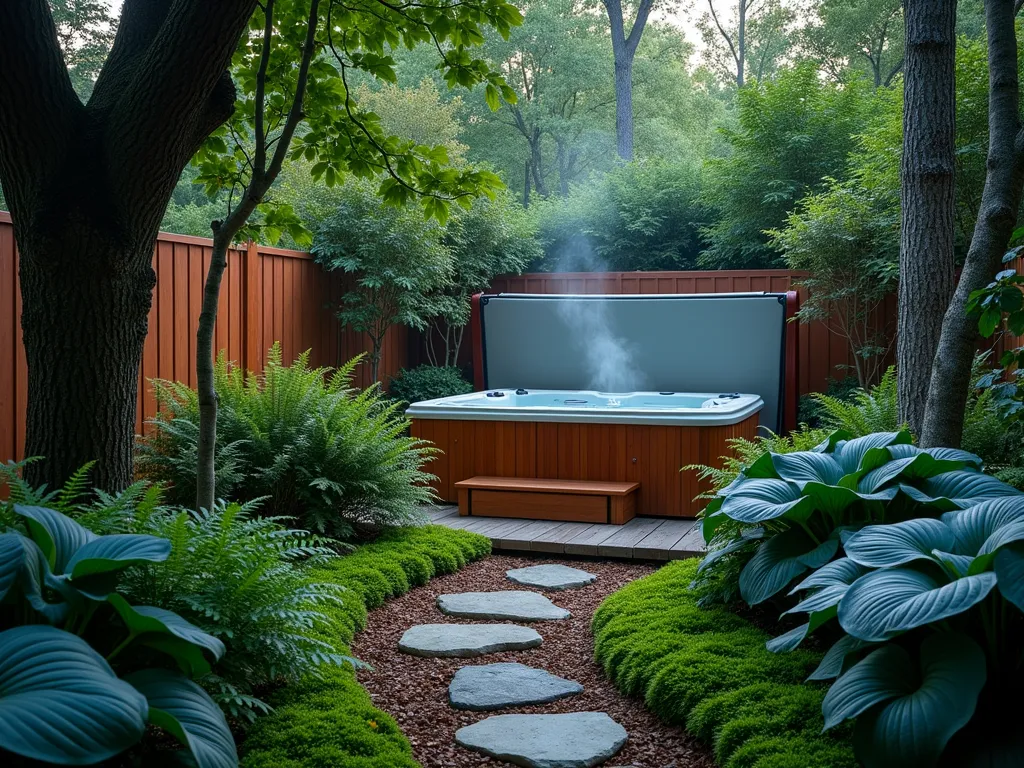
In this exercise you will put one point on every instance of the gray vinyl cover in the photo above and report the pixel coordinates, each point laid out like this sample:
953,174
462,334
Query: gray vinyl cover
714,343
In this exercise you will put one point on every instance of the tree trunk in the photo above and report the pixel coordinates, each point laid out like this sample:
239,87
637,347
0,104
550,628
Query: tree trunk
526,185
206,486
624,106
741,45
926,180
84,328
951,374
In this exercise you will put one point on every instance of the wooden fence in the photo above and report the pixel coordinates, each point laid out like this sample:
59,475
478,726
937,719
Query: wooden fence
268,295
271,294
823,353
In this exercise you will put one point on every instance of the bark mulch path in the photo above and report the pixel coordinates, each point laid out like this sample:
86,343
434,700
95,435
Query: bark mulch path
414,690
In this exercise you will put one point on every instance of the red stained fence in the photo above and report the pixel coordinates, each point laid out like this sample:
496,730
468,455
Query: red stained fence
268,295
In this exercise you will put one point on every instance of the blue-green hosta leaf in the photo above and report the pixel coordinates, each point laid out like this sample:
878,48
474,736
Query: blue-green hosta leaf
882,604
843,571
955,454
1009,569
828,445
833,661
36,582
184,710
963,487
112,553
758,500
807,467
60,702
973,526
788,641
142,619
763,468
57,535
906,711
884,546
826,597
956,565
12,555
834,499
778,561
851,453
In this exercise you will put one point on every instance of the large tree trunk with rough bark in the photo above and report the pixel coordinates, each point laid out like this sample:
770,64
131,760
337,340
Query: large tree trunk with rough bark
84,320
926,180
87,186
951,373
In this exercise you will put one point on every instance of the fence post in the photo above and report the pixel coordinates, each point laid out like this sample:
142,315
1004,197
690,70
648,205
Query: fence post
253,308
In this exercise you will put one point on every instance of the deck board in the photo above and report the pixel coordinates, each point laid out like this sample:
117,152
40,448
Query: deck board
642,538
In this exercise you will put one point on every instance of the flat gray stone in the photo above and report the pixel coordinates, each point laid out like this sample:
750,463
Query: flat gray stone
466,640
576,740
512,605
493,686
551,576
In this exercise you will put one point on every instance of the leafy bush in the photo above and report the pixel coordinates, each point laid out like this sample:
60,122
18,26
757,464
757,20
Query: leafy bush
84,671
330,722
708,669
336,459
427,382
862,412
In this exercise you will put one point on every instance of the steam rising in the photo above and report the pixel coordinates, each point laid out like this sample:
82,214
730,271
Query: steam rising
610,366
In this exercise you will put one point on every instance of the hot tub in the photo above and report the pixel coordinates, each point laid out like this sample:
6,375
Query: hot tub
652,408
642,437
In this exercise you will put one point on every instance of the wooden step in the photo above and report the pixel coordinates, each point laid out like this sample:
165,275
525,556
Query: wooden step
584,501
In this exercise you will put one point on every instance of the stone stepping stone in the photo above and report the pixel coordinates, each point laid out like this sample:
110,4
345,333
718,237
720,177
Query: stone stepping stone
576,740
512,605
466,640
552,576
493,686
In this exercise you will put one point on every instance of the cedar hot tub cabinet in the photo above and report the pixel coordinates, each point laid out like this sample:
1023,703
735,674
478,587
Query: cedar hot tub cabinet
713,367
645,439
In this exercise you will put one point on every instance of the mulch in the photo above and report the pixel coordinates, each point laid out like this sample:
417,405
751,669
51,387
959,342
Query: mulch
414,690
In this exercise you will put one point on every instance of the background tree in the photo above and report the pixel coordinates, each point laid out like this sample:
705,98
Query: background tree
85,30
296,72
794,132
87,185
997,217
494,237
396,259
857,35
624,45
927,183
748,39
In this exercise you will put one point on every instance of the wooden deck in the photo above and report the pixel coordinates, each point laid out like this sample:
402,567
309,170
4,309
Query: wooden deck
642,538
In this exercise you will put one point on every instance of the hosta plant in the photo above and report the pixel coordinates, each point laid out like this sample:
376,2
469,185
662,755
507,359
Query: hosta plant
83,671
787,514
931,662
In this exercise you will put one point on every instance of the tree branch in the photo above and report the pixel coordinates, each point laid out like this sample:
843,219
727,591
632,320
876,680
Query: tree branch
637,30
172,94
725,35
39,110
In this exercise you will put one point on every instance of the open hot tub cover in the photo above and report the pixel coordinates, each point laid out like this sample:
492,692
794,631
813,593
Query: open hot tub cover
723,343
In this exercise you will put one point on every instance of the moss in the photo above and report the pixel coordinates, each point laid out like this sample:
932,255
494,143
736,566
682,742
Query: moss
709,669
328,721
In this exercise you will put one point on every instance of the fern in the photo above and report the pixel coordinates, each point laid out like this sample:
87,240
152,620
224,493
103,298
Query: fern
865,412
335,458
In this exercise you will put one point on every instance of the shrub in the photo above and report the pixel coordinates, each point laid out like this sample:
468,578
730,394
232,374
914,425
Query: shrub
333,458
83,671
428,382
708,669
330,722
